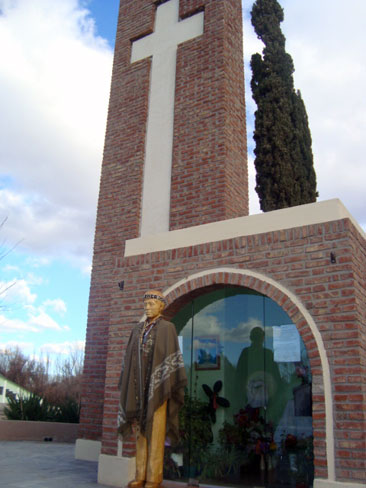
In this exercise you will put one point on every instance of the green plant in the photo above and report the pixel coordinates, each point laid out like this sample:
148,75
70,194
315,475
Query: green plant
196,432
244,433
31,408
222,463
35,407
14,409
68,411
284,160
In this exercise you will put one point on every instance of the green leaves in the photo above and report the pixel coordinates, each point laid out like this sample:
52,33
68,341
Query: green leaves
31,408
266,18
37,408
284,159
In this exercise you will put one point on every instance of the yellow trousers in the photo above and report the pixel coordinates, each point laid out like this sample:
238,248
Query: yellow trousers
150,455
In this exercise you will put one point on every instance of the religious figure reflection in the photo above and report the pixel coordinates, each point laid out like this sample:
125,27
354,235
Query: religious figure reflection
152,385
258,380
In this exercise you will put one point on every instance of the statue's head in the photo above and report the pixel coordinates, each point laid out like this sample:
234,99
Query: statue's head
154,304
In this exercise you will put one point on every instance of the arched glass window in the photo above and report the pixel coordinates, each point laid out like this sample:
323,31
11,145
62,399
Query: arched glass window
247,415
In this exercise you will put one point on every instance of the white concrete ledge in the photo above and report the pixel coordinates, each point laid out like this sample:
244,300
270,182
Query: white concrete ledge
115,471
286,218
321,483
87,450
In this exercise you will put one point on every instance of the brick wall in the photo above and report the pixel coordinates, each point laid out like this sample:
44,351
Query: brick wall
300,260
209,179
349,363
209,173
24,430
209,183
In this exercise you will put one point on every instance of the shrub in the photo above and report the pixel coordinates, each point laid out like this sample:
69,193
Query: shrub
32,408
37,408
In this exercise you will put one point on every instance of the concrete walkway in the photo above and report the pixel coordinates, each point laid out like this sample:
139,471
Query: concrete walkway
44,465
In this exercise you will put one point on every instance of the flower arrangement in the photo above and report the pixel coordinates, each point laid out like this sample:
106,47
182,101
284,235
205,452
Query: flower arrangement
252,435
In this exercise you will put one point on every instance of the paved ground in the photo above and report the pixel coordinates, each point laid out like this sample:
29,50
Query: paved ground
44,465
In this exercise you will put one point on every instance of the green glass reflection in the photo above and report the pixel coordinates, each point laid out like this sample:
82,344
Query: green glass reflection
247,415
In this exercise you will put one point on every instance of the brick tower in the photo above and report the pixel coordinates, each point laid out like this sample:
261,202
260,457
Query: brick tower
175,148
173,215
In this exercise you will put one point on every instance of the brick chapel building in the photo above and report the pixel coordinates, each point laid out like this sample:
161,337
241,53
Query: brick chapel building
173,215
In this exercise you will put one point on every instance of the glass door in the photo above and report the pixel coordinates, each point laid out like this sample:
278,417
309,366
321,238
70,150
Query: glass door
247,415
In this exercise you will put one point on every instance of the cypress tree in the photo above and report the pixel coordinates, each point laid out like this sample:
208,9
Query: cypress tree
283,155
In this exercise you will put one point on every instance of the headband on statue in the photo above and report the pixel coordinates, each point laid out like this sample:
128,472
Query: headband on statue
154,296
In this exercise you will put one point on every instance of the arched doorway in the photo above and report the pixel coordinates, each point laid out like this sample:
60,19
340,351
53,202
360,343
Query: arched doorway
247,416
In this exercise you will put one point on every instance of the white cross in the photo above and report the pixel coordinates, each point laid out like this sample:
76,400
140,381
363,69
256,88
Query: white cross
162,46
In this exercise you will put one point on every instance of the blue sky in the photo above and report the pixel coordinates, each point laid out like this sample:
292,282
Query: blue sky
105,12
47,274
55,70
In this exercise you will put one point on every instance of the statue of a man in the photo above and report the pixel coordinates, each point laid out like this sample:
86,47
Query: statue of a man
152,385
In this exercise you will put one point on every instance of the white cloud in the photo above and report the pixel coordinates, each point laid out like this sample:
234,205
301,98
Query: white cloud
209,322
33,279
63,347
55,77
241,333
23,346
43,321
207,325
58,305
327,45
37,262
17,292
87,269
15,325
17,298
10,268
49,353
36,321
210,325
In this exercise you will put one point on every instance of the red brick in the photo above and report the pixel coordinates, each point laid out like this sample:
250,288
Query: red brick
297,259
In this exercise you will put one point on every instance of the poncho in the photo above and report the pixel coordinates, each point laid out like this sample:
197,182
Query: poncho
150,376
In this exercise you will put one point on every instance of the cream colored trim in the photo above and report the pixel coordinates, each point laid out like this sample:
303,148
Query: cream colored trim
286,218
318,339
115,471
320,483
87,450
